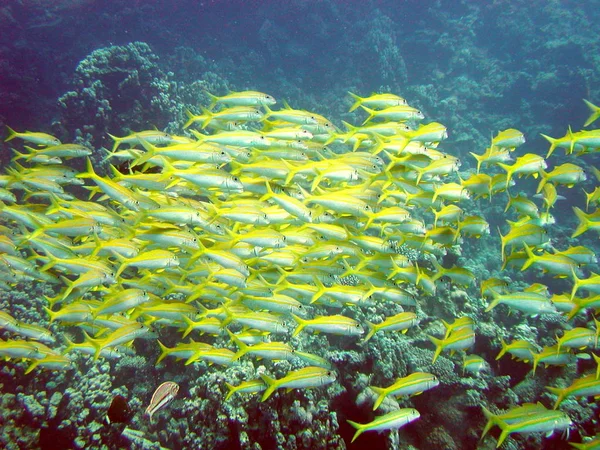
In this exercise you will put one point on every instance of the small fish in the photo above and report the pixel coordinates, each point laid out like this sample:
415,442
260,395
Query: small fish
457,340
163,395
35,138
511,416
307,377
413,384
587,386
509,138
384,100
540,421
249,387
390,421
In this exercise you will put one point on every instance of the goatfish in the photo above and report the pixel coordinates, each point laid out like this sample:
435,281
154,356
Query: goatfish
390,421
474,364
33,137
528,164
509,138
512,416
578,337
520,349
114,191
397,113
399,322
530,303
540,421
153,259
582,387
586,221
556,264
457,340
413,384
377,101
152,136
307,377
335,324
126,333
242,98
163,395
567,174
247,387
276,351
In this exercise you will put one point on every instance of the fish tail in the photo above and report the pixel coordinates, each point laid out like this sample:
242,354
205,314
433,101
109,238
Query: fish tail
117,142
595,113
213,100
150,152
18,155
491,419
439,346
576,283
372,331
588,198
97,343
269,192
191,118
559,393
243,347
11,134
320,291
553,144
479,159
301,324
536,361
190,326
70,345
503,350
584,222
371,113
359,429
494,302
33,365
381,395
506,430
509,172
164,351
209,116
271,386
357,101
543,180
530,258
231,390
50,313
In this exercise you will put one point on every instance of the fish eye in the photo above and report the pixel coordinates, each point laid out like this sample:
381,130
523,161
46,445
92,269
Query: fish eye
312,117
236,179
222,153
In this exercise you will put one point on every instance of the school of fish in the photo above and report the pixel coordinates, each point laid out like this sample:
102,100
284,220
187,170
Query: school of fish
266,218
